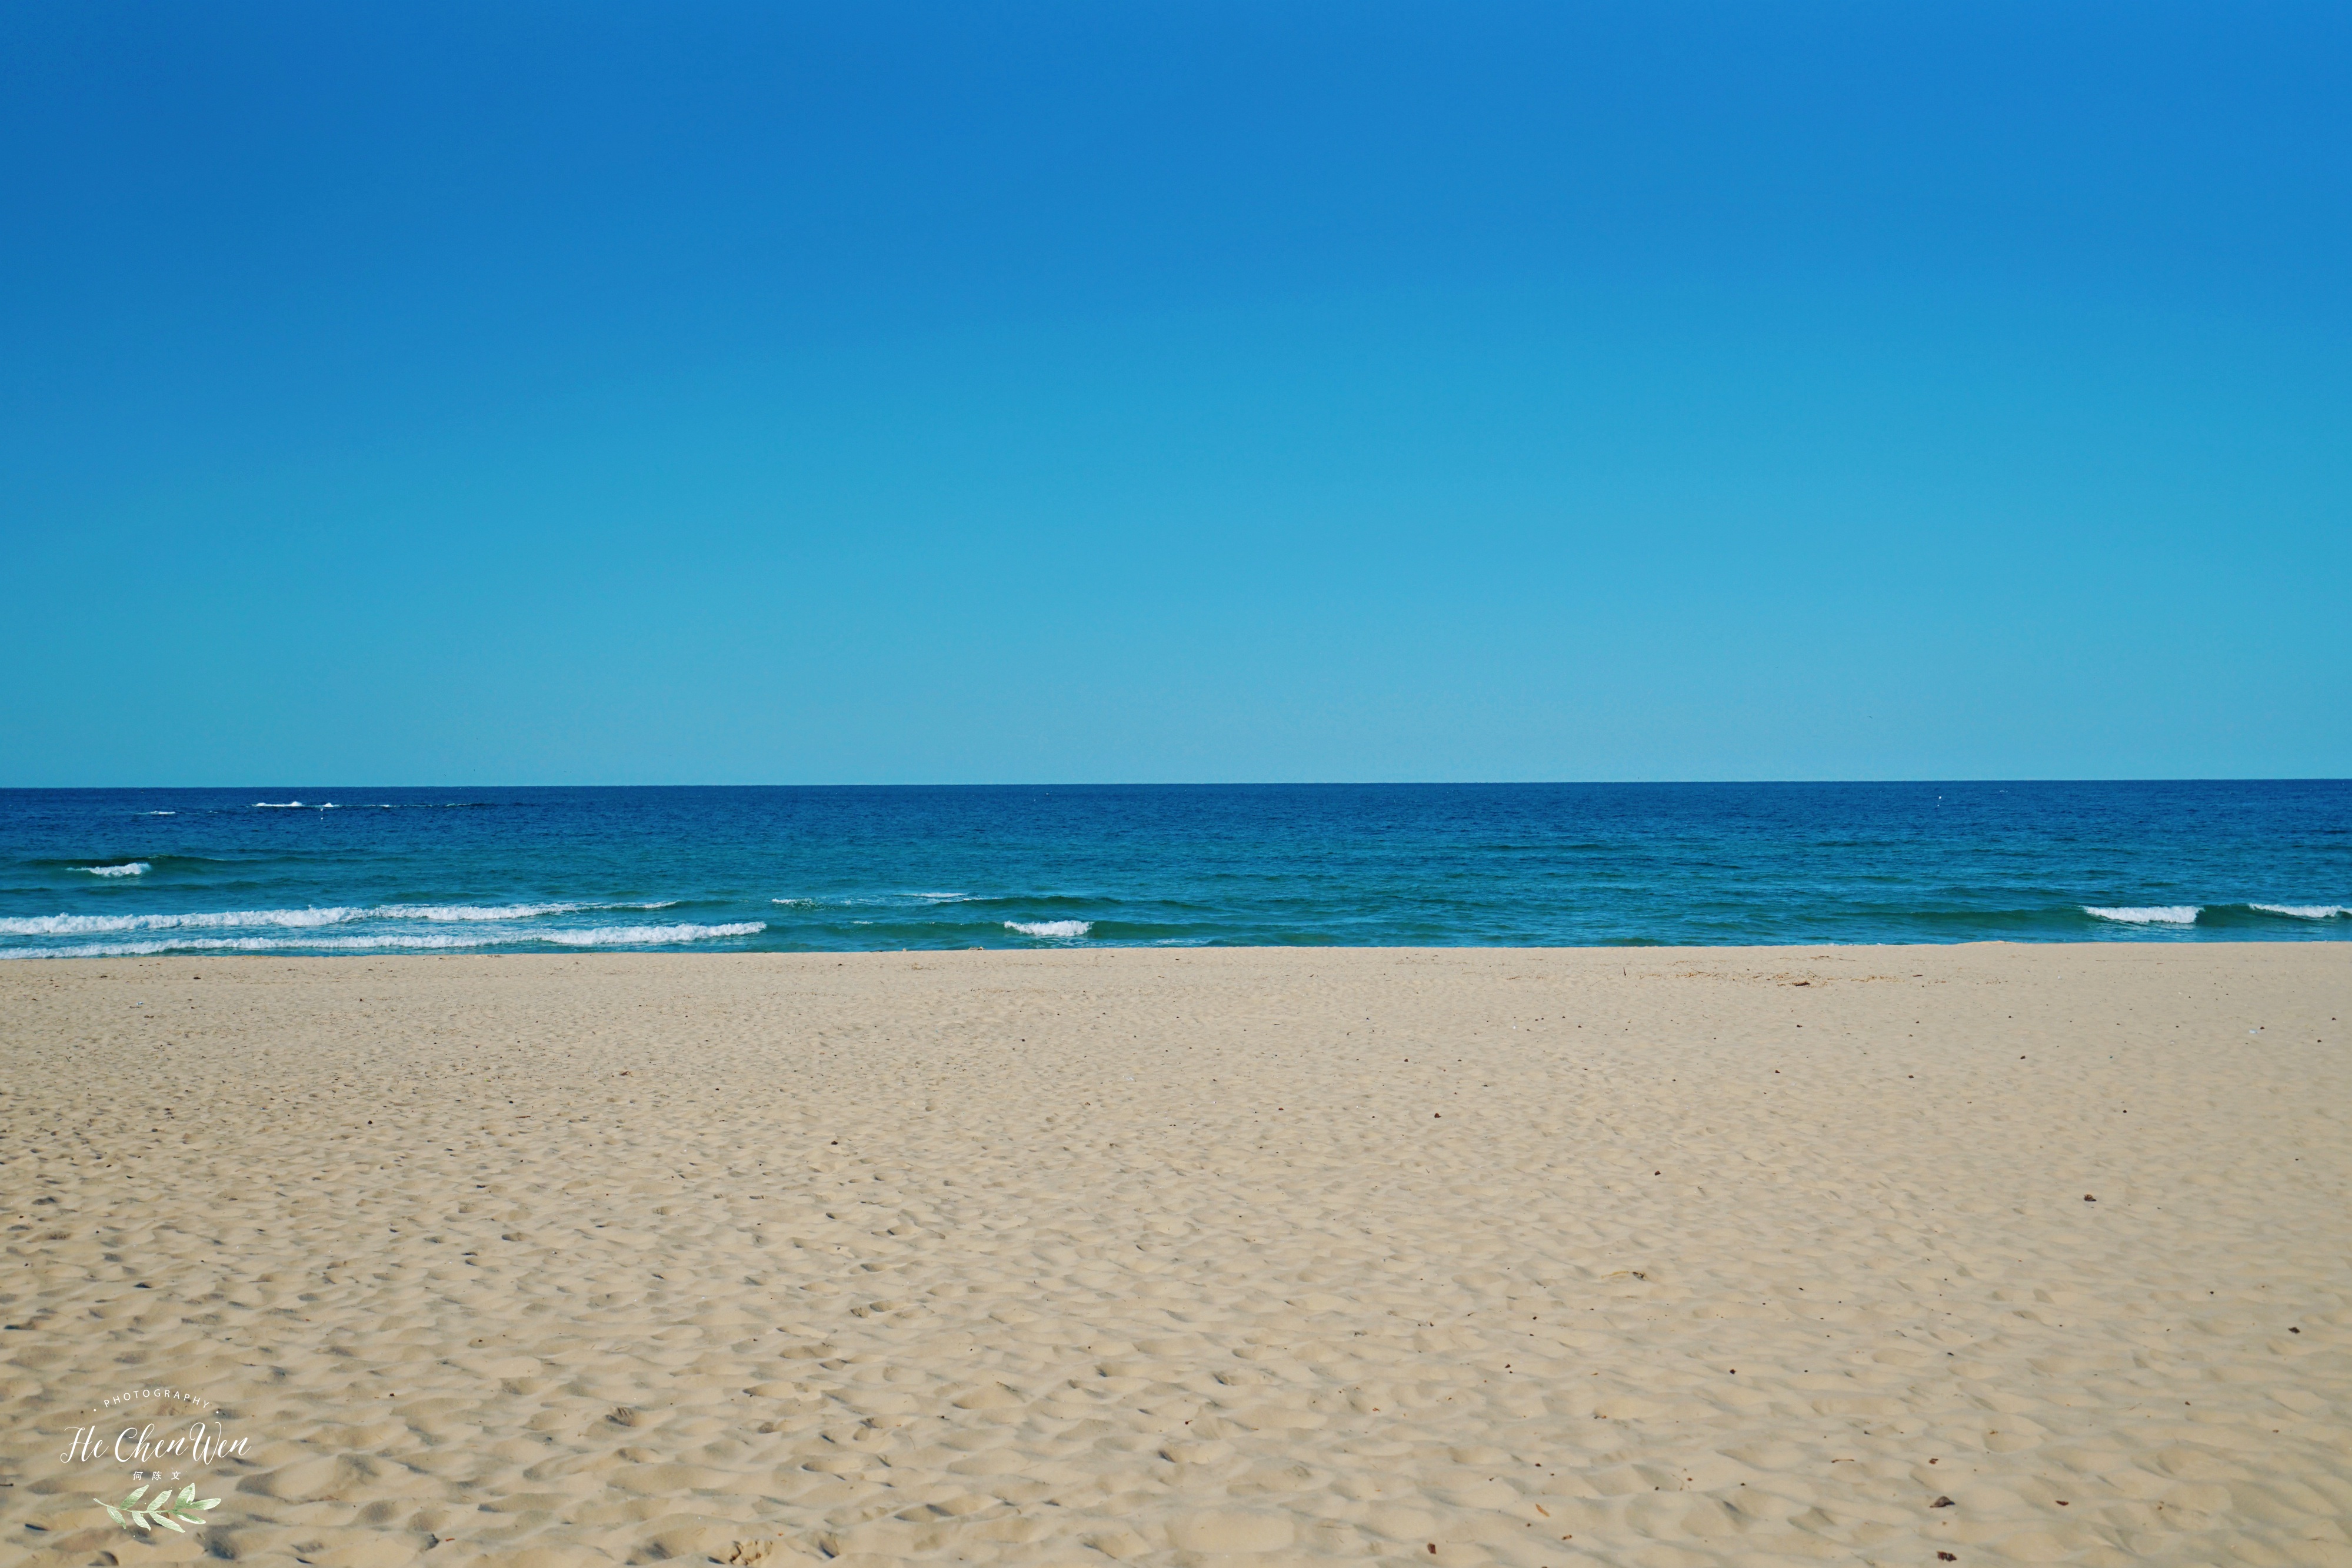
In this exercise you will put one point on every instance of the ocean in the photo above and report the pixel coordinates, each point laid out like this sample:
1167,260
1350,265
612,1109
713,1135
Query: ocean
94,874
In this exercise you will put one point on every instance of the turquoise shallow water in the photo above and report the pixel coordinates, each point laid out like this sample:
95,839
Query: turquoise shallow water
97,874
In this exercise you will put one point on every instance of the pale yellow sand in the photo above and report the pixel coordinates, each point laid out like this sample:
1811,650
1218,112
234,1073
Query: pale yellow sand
1655,1257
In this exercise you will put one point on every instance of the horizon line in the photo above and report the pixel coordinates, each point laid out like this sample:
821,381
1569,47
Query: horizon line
1230,783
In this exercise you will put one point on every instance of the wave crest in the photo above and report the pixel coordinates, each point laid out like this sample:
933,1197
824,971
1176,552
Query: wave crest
2148,915
2305,911
599,936
341,915
129,868
1050,928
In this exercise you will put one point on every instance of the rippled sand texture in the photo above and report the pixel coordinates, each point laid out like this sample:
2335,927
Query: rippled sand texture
1659,1258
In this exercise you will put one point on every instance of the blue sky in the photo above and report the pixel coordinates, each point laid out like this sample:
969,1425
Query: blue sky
872,394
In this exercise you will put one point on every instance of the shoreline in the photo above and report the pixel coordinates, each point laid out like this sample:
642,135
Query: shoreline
1217,1256
2162,942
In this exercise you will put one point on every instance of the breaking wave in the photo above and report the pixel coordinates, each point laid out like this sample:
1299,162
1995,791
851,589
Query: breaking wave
2149,915
81,925
133,868
598,937
1050,928
2305,911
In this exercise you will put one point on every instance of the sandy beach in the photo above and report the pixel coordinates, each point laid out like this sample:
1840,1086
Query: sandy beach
1663,1257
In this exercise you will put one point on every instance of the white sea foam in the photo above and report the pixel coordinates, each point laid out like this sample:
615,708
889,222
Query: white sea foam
2306,911
233,919
598,937
471,912
159,813
796,903
81,925
134,868
639,935
1050,928
275,805
2150,914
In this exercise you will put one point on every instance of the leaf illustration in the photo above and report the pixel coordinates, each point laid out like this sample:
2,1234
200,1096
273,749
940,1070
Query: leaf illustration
166,1511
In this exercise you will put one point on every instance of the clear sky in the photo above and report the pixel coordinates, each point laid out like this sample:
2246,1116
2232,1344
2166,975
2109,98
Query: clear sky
878,392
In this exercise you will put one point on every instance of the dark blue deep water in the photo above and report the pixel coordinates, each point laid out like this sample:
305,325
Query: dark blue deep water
95,873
